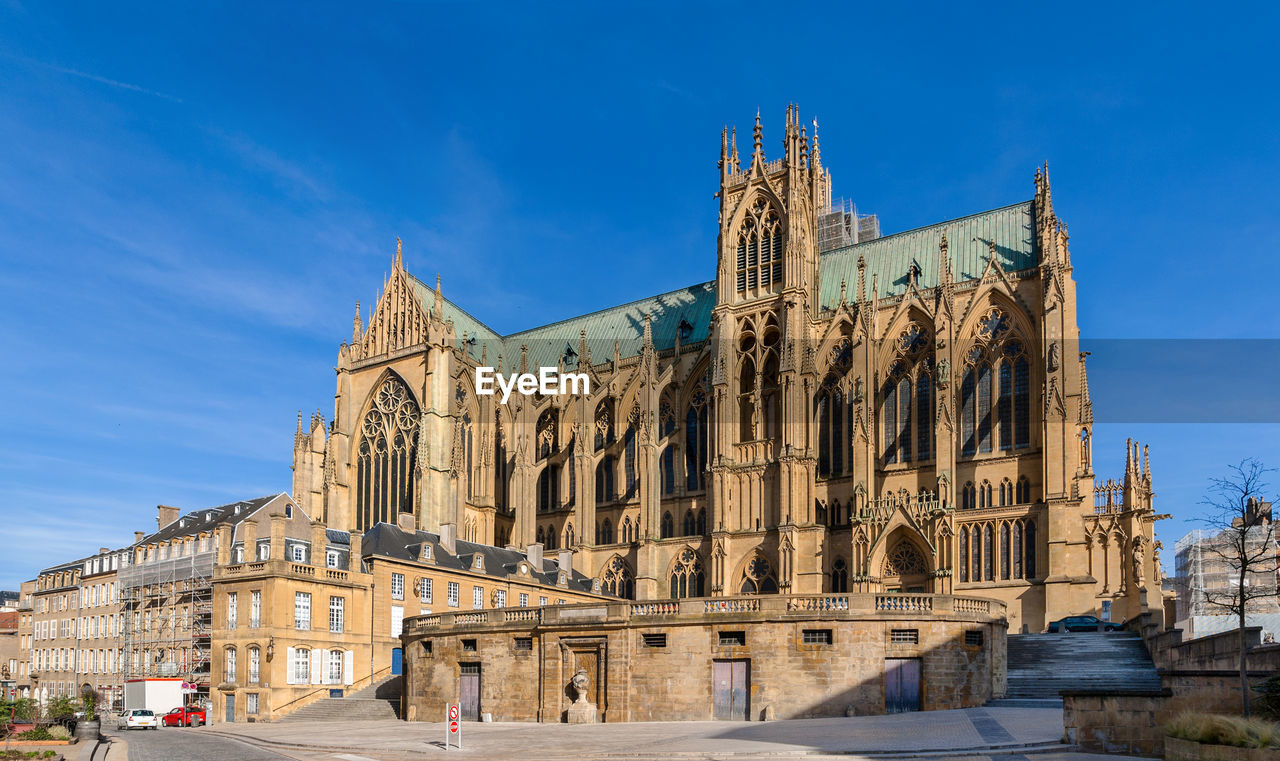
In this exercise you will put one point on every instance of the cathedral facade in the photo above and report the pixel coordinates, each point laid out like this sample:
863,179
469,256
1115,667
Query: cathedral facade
847,413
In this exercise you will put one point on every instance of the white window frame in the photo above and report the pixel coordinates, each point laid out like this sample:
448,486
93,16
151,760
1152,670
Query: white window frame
397,586
426,592
455,591
255,609
255,665
337,614
302,611
477,598
233,600
229,665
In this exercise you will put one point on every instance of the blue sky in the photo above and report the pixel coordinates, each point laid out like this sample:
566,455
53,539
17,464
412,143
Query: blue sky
193,197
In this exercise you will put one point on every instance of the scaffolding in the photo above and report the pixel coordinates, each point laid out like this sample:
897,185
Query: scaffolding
842,225
168,615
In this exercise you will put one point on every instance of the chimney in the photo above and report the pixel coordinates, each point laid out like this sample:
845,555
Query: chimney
357,551
534,553
566,561
405,522
138,536
103,550
166,515
449,538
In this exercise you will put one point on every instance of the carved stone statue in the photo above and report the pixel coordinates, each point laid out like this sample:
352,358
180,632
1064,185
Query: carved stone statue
944,373
1055,356
1138,571
857,391
582,711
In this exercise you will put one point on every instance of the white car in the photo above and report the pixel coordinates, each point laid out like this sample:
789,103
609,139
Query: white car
140,718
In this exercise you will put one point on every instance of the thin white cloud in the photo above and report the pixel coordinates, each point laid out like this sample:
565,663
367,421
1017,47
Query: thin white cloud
99,79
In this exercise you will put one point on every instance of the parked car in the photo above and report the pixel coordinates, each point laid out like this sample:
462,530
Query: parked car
184,717
139,718
1084,624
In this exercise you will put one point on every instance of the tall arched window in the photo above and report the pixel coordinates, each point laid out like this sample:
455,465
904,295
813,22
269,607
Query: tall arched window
625,528
568,535
1030,542
759,247
549,488
690,523
964,553
669,470
468,431
686,575
668,525
604,532
988,553
906,399
701,524
617,579
385,477
696,434
968,496
629,460
975,552
835,414
839,576
746,399
604,480
995,393
1004,551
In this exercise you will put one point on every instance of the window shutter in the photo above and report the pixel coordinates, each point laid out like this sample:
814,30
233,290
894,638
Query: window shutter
348,666
316,670
291,664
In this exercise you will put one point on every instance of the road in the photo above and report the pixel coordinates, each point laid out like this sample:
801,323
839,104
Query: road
173,744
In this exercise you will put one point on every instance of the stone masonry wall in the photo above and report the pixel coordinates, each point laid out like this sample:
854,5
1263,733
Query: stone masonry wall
633,680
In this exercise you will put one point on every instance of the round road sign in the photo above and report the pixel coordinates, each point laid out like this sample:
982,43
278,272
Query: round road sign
453,713
453,727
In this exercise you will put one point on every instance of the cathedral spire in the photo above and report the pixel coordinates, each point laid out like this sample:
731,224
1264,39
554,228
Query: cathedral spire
356,328
862,278
397,263
816,161
1086,402
733,149
437,307
725,166
757,150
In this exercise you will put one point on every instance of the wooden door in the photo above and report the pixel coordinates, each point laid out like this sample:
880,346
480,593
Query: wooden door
730,686
469,691
901,685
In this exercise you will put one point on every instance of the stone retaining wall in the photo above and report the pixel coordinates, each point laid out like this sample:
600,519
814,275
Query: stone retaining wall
653,661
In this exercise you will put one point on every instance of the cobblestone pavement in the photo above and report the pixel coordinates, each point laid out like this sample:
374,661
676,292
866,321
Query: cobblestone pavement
173,744
981,731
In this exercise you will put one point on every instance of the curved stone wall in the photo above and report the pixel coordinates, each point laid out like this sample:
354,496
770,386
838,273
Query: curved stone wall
798,656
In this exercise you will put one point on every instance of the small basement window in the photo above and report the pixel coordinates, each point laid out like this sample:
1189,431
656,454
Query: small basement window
733,639
468,646
816,637
973,638
524,643
654,640
905,636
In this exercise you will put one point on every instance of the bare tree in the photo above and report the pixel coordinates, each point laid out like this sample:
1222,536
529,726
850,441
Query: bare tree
1244,548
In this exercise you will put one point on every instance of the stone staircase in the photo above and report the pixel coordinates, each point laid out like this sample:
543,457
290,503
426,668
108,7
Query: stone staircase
1042,665
381,700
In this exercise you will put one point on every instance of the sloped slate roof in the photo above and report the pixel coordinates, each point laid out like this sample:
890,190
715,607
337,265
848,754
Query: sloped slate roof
889,259
206,519
391,541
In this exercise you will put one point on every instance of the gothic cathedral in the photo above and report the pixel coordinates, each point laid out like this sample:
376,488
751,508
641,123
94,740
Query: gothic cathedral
836,412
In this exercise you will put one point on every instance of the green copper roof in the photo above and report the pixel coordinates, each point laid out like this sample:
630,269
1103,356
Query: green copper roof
624,323
889,259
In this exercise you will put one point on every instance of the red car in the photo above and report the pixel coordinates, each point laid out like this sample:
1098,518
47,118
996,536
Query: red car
184,717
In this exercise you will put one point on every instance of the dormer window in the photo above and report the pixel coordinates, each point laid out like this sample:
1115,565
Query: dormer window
426,551
478,562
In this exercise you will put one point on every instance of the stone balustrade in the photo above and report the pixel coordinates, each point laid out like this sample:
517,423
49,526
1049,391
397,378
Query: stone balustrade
771,607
